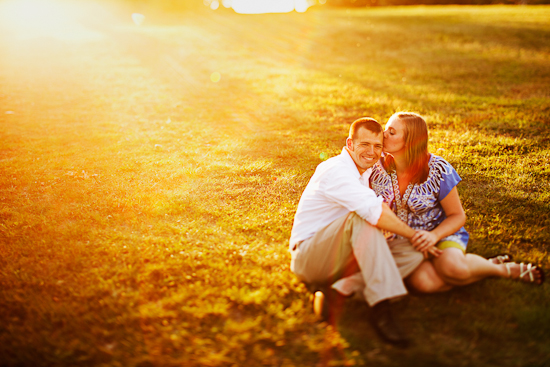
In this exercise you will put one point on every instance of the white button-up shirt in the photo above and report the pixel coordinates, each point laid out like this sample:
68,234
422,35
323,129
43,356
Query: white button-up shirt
336,189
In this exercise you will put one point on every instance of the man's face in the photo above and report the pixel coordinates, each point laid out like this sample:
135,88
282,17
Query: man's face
365,149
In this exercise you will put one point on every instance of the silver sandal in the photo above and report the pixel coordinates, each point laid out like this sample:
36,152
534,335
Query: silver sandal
529,269
501,259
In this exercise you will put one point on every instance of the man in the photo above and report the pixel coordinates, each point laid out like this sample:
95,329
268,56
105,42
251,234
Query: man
336,243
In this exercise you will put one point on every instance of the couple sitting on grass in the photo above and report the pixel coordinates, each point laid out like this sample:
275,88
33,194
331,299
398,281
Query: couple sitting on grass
368,225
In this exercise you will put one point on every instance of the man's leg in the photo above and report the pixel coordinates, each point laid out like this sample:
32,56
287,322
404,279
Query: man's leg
324,258
407,259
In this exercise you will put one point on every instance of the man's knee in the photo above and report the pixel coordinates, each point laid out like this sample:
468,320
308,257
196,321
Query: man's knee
360,227
406,257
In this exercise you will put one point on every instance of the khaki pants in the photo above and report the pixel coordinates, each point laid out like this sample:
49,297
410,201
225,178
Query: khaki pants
352,255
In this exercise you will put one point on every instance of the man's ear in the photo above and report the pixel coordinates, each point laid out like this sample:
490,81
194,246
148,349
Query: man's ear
349,144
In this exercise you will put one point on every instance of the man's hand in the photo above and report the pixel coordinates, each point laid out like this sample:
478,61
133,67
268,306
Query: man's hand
422,240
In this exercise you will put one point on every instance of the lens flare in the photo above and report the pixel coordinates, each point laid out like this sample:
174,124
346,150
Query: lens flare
215,77
138,18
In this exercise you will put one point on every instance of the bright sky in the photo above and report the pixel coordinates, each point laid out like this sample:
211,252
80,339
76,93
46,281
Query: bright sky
61,19
44,18
268,6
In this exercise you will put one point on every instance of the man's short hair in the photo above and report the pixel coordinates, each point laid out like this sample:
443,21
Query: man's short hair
368,123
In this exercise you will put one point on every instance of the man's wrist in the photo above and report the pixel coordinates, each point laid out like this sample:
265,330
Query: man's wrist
407,232
438,237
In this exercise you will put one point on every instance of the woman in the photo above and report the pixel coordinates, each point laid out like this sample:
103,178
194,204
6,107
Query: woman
421,189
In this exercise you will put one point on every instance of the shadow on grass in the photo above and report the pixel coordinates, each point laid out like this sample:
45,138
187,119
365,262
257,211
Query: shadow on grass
458,327
506,219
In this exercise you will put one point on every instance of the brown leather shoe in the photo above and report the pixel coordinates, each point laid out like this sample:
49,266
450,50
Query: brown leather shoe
385,325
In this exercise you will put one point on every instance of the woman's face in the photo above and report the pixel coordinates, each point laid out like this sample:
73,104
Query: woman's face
394,136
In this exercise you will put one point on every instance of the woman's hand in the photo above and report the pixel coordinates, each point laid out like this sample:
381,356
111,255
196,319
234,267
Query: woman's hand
432,250
424,240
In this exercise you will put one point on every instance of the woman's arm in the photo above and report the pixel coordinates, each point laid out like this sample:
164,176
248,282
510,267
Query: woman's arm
456,218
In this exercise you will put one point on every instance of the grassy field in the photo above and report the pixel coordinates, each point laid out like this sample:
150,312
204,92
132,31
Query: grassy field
146,206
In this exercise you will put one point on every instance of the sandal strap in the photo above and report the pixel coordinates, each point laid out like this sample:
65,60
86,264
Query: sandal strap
529,270
507,266
501,259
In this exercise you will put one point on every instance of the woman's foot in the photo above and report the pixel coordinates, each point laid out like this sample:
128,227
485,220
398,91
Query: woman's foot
500,259
527,273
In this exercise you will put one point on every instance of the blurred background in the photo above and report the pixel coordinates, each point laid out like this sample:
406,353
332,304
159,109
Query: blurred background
153,153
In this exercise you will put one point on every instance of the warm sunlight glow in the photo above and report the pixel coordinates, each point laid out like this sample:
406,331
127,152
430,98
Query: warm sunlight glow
214,5
215,77
138,18
269,6
44,18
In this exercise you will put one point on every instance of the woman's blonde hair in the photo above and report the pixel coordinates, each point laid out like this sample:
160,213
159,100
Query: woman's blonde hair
416,143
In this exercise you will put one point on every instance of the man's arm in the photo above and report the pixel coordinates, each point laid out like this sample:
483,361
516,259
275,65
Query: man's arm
390,222
344,189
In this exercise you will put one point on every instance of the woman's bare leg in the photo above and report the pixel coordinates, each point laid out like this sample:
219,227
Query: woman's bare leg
426,280
457,268
454,268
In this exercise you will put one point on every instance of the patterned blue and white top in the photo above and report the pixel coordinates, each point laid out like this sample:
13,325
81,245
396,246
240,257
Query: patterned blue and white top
420,206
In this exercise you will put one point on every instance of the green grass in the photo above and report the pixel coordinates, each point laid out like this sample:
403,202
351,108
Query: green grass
145,211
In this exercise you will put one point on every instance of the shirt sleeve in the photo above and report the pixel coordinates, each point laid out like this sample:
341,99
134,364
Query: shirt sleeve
449,178
346,190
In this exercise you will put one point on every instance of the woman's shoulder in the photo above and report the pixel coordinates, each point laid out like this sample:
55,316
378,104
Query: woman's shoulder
438,165
441,178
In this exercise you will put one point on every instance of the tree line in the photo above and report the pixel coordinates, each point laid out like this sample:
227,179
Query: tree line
362,3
